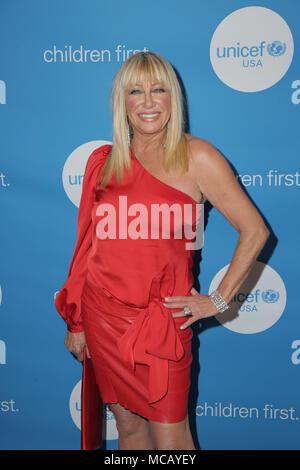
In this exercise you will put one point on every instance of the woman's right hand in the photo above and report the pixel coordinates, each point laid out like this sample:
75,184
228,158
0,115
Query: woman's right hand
75,342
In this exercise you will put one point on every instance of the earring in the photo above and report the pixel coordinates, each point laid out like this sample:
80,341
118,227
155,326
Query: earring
166,134
129,133
128,136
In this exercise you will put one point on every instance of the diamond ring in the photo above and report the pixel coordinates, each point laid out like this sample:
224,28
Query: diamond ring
187,311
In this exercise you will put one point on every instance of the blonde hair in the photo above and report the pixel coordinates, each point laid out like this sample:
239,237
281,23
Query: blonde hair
145,65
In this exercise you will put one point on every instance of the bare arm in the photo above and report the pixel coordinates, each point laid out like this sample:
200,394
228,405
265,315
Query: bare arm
218,183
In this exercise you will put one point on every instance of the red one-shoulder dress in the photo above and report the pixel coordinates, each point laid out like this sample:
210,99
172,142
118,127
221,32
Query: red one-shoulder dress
135,246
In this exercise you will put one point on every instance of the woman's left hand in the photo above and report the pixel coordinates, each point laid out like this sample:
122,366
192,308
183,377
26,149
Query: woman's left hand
201,306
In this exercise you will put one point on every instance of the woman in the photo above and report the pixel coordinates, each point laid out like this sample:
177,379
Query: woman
129,299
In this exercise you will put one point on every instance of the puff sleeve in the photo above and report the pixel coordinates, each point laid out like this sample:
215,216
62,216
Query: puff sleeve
68,299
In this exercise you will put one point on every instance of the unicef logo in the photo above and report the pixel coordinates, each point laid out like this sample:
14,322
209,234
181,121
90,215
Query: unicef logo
243,52
276,48
109,429
111,432
255,307
270,296
74,167
75,404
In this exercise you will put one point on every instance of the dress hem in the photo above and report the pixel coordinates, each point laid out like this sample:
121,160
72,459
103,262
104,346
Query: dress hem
167,421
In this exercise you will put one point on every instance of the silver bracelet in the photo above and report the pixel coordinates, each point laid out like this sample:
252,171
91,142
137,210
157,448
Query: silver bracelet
218,301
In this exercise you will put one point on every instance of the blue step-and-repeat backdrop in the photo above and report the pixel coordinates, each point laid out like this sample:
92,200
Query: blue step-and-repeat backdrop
239,64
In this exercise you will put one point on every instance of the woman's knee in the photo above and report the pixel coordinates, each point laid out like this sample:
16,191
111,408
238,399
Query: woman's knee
172,436
127,422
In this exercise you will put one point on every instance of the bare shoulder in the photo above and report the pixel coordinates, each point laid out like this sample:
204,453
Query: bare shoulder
208,165
217,182
206,158
202,151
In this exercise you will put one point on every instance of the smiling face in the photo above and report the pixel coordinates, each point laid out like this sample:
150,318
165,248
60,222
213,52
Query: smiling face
148,107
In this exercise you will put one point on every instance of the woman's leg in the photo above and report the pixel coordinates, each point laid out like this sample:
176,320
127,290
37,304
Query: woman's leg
172,436
134,430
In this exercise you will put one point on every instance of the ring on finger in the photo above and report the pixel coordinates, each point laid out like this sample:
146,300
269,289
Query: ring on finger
187,311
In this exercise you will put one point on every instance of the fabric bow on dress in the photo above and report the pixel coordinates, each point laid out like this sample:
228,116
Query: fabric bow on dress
152,338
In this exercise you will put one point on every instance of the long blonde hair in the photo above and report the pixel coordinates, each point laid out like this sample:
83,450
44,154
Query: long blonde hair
139,66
